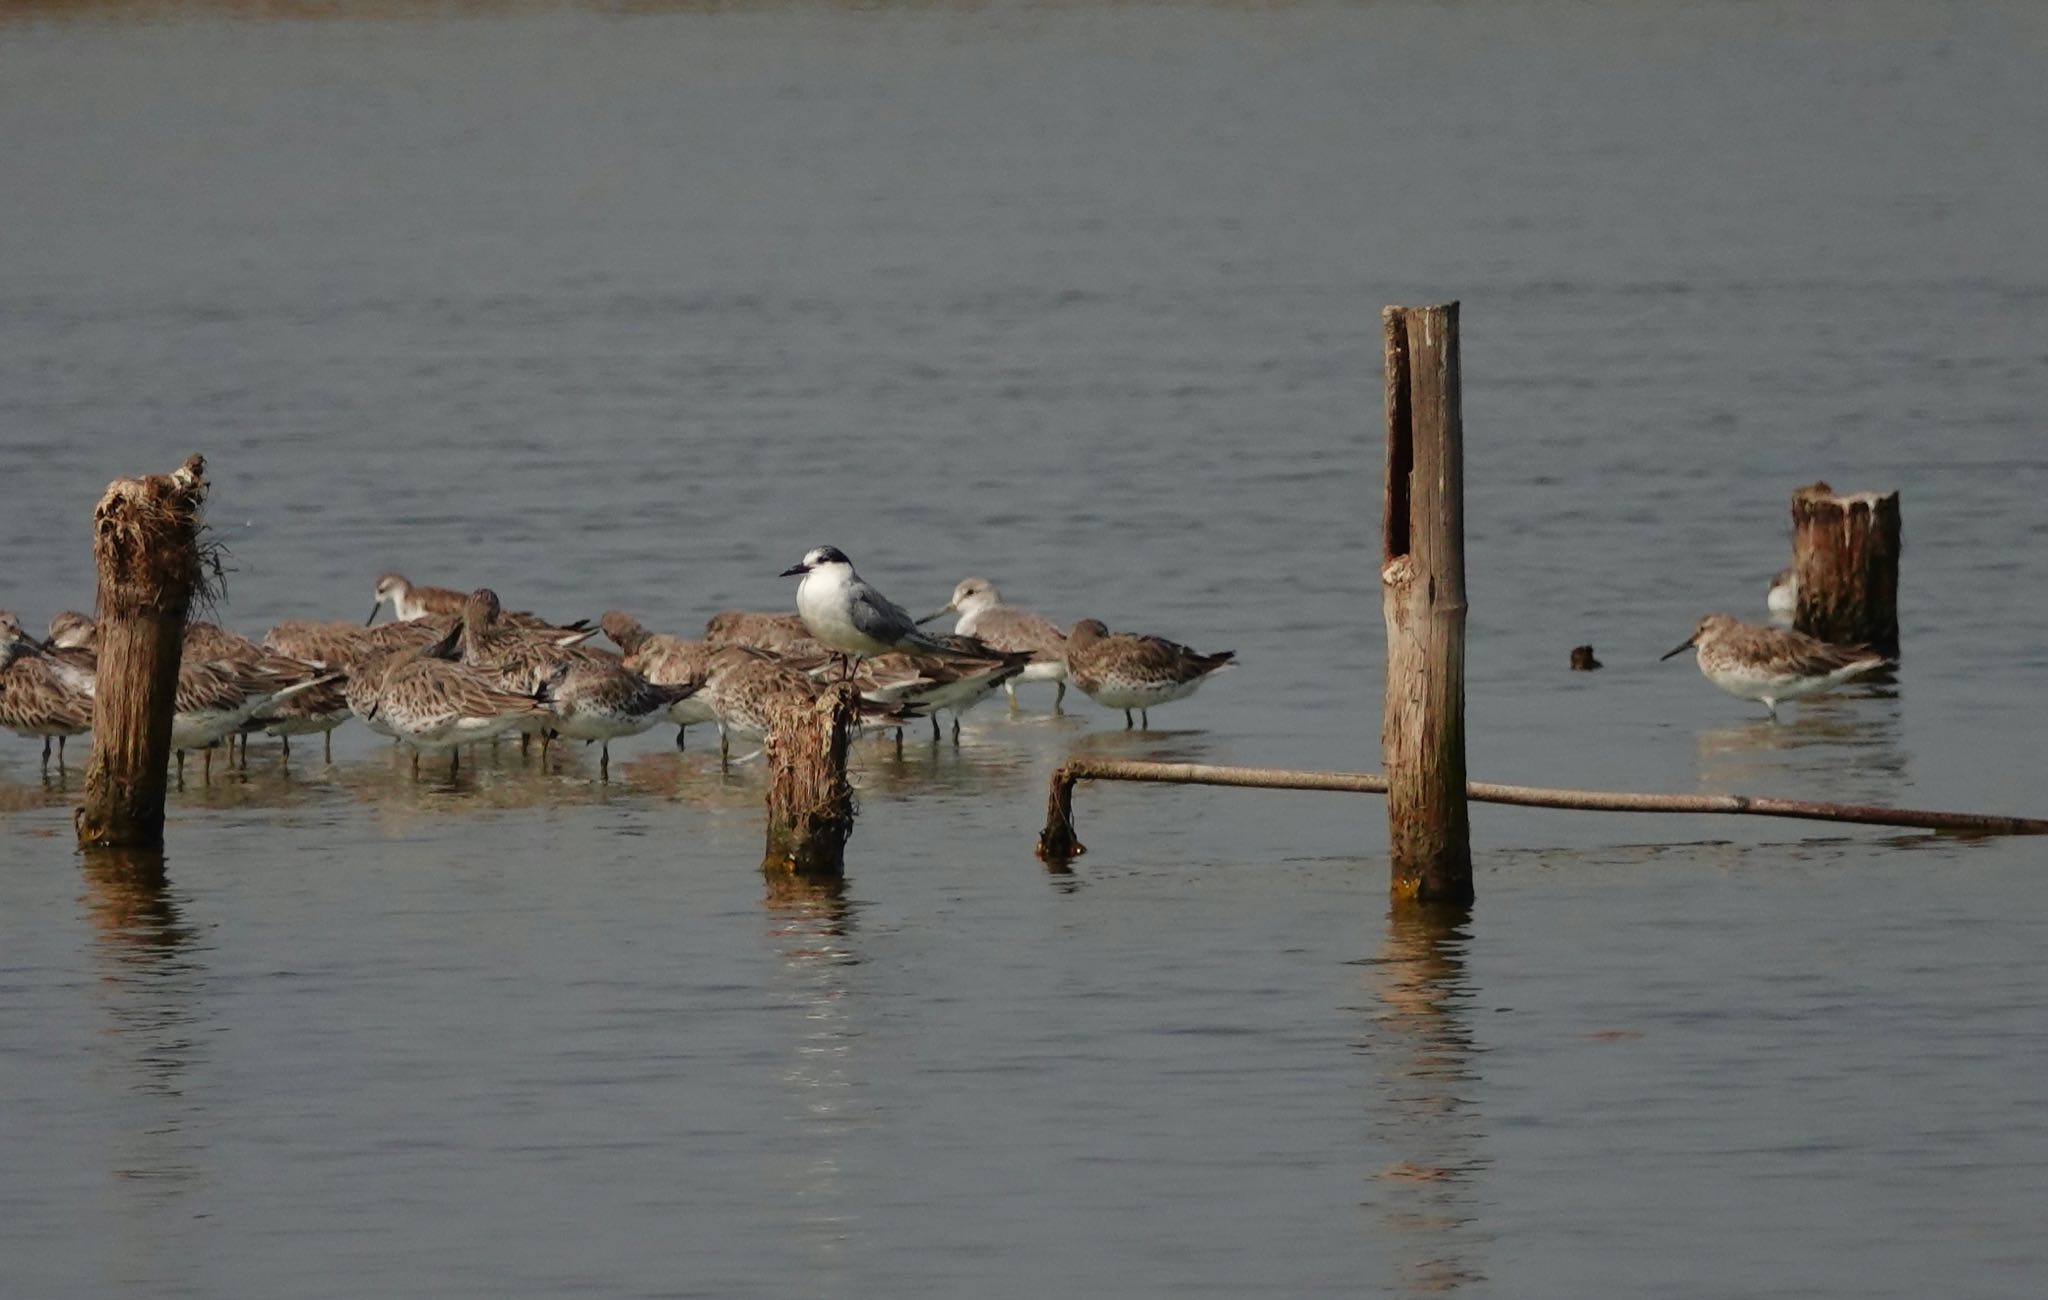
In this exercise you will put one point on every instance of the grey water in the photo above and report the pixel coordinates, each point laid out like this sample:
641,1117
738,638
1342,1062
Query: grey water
628,305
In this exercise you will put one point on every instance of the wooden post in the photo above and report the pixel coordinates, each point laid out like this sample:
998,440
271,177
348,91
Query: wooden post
1057,843
1422,577
1845,554
810,803
151,566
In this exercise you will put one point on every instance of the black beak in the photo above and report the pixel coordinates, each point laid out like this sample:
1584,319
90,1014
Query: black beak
1683,646
795,569
935,614
373,613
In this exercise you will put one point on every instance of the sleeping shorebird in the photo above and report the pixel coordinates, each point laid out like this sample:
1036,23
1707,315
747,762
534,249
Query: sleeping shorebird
436,704
71,630
592,694
1124,670
217,698
666,661
381,652
1782,598
778,634
320,710
35,700
850,616
984,617
600,699
746,687
1771,664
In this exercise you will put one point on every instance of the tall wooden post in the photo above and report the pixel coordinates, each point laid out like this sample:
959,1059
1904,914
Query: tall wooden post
1422,578
810,803
1845,554
146,545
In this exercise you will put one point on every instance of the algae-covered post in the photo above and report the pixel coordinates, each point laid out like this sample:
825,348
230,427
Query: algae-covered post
810,803
1845,555
1422,577
151,567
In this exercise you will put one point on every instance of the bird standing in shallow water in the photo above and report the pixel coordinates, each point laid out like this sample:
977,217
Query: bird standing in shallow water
1771,664
1124,670
984,617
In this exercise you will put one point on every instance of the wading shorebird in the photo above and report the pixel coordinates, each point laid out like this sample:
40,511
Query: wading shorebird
1124,670
35,700
435,704
410,603
839,608
668,661
1005,627
1771,664
778,634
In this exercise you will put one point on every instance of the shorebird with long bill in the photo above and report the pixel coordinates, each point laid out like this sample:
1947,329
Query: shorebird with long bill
1770,664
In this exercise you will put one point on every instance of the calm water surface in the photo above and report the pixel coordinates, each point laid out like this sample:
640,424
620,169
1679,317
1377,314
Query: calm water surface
631,305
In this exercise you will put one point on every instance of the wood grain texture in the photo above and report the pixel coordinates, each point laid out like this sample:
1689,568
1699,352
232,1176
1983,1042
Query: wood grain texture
1845,553
147,551
1422,579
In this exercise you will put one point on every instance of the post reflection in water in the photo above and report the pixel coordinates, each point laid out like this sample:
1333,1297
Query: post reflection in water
810,924
150,988
1420,1039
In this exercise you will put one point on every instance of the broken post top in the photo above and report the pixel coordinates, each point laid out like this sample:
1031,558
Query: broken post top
145,538
1818,492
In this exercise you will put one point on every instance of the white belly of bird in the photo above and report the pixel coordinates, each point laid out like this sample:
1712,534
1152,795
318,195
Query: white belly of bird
199,729
694,711
1048,670
823,609
448,731
1751,683
959,696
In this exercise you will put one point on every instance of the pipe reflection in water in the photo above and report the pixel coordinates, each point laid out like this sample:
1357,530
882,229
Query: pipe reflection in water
151,989
810,925
1844,748
1419,1038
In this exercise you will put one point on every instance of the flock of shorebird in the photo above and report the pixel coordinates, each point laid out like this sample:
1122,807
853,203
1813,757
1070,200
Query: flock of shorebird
456,669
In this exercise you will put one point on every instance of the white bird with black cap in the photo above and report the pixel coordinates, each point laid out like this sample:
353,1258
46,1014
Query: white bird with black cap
844,612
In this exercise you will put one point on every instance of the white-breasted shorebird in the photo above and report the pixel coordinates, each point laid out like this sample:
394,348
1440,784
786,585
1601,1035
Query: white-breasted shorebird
1770,664
985,617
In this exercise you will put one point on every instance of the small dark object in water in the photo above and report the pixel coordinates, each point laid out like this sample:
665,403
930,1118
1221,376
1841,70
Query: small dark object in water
1583,660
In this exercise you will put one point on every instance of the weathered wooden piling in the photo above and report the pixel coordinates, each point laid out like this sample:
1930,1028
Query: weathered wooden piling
1422,578
151,567
810,803
1845,555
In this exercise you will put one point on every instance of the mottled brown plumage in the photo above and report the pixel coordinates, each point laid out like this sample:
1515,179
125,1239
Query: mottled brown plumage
1770,664
782,634
1126,670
